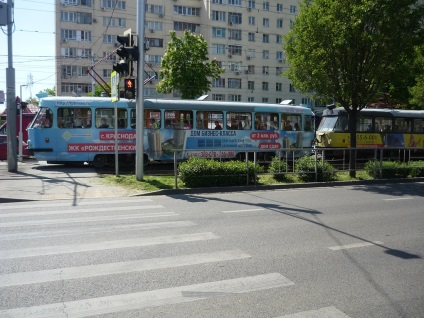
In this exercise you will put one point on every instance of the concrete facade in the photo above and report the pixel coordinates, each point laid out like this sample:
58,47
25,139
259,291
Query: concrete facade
245,37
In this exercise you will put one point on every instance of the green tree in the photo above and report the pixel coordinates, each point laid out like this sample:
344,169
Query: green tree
417,91
349,51
186,66
98,90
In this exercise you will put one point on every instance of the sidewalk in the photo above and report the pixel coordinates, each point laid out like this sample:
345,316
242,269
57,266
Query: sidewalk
41,181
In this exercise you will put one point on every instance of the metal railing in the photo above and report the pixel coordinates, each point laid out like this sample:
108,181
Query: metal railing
321,156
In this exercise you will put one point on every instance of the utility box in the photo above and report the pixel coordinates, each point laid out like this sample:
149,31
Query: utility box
3,13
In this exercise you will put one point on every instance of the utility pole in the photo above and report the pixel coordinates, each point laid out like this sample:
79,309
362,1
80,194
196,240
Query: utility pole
21,140
139,145
12,162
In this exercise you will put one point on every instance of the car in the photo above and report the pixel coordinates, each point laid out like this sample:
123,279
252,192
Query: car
3,148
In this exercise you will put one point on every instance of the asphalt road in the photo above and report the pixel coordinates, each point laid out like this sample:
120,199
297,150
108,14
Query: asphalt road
333,252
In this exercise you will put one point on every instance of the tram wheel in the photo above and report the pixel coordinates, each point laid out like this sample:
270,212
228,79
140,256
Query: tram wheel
100,161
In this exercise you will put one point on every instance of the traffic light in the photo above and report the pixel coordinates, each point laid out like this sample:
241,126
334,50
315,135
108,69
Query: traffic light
128,53
129,88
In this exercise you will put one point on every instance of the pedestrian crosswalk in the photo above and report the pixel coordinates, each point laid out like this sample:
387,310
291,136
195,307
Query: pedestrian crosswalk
32,231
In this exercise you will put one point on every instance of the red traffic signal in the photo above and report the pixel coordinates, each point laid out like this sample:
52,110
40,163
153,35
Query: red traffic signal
129,88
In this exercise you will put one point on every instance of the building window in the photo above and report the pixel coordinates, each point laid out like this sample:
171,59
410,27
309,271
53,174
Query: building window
279,23
187,11
181,26
293,9
265,70
279,39
234,34
279,7
251,4
219,97
114,22
264,99
265,22
234,18
153,25
251,85
265,38
218,49
218,82
234,83
113,4
252,21
234,3
218,32
234,98
278,100
279,70
278,87
291,88
155,42
234,49
106,72
265,6
265,54
265,86
251,99
218,15
152,8
251,37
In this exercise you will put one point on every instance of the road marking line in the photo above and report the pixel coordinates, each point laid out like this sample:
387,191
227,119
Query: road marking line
71,204
354,245
154,298
104,245
88,219
94,229
326,312
237,211
26,278
396,199
100,209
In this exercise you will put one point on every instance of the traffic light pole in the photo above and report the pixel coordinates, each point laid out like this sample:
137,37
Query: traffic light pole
12,162
140,93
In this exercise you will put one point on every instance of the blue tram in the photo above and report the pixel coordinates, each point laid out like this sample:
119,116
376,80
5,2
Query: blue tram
82,129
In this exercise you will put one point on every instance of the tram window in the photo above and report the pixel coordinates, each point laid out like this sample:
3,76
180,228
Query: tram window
418,126
152,118
122,118
364,124
291,122
133,118
383,124
238,121
179,119
74,117
402,125
104,118
44,118
209,120
266,121
308,123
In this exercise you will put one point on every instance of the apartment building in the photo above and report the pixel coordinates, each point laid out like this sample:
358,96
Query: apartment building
244,36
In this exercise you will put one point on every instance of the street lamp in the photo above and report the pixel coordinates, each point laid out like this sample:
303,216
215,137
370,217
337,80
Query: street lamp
21,142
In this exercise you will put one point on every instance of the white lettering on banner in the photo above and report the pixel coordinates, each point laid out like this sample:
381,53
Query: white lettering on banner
121,135
100,147
210,154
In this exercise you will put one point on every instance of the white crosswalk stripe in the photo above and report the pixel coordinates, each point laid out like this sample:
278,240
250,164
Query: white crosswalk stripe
326,312
132,225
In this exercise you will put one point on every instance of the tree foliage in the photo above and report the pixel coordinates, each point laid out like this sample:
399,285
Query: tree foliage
186,67
349,51
417,91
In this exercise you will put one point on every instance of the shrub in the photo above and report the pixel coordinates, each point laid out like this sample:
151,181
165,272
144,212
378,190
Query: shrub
416,169
277,167
305,166
390,169
201,172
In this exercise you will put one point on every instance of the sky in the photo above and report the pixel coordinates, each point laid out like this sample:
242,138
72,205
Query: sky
33,47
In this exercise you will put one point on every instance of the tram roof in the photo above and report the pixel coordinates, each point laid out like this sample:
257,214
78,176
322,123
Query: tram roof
57,101
386,112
